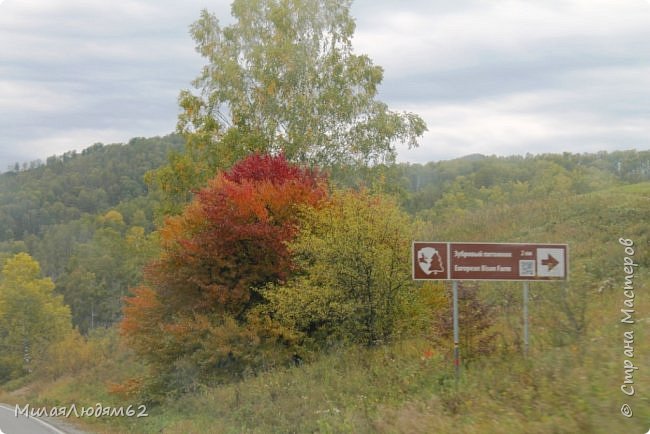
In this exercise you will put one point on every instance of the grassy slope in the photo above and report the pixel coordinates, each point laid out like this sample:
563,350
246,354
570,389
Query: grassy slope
570,388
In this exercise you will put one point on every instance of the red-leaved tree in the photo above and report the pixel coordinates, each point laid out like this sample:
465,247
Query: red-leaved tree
192,320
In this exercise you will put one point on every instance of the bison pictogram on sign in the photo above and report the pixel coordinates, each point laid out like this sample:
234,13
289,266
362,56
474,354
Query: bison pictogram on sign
430,261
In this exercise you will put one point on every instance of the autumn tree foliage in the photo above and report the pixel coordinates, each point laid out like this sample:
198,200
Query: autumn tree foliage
32,317
354,284
283,76
192,320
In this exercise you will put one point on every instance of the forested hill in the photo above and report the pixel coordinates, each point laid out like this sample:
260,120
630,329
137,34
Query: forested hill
101,177
470,182
67,186
87,219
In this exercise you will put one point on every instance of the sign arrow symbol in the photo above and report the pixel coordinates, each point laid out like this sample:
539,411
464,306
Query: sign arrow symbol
550,262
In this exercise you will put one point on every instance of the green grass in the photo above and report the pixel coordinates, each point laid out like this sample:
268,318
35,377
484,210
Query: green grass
396,389
573,389
639,188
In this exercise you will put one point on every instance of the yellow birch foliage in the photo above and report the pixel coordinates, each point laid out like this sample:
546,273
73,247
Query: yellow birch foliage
32,317
355,284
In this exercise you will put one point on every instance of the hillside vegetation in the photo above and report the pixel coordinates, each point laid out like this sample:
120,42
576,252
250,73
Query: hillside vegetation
570,381
94,251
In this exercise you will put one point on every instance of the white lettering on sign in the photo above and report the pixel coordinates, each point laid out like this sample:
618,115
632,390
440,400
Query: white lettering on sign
466,268
497,255
481,254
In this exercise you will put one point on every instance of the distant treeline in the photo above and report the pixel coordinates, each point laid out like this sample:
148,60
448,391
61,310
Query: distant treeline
472,181
73,184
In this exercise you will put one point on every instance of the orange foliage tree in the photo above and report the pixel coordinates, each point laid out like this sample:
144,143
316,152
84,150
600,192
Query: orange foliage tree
192,322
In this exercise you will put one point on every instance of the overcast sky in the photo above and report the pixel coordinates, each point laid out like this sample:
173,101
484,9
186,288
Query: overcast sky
488,76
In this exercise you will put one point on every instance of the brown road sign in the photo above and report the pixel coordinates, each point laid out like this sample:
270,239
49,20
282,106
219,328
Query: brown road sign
489,261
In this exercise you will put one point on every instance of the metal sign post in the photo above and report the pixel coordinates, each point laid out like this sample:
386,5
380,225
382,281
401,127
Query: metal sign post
525,296
454,285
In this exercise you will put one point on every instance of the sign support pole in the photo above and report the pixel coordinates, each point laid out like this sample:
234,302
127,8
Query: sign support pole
454,284
525,297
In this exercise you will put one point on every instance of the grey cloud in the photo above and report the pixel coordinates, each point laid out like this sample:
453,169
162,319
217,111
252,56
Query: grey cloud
513,76
74,67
